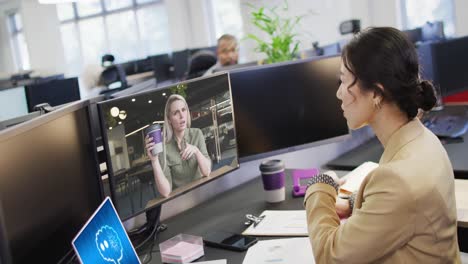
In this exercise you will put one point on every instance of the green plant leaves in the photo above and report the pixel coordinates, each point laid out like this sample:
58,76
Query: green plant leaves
282,45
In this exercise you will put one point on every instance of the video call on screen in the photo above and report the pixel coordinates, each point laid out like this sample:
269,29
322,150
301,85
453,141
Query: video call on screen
125,120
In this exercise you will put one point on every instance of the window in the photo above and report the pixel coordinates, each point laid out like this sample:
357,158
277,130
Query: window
417,12
227,18
18,42
128,29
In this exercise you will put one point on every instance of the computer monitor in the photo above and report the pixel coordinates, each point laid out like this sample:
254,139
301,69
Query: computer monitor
331,49
125,122
49,183
55,92
180,60
446,64
162,67
13,103
287,106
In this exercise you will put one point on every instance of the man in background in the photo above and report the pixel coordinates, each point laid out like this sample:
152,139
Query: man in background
227,53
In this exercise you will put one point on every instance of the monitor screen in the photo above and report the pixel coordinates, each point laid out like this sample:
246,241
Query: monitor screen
162,66
55,92
281,106
450,64
194,137
49,183
181,63
13,103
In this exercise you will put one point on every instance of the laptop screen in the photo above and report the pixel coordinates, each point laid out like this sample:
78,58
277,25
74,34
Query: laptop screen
103,239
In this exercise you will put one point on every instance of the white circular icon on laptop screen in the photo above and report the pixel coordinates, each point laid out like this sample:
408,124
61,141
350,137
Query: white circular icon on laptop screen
109,245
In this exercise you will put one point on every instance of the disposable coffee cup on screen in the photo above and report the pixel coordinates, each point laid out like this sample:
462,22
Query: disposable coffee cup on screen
154,131
273,180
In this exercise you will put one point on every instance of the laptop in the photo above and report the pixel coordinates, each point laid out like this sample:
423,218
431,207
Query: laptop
103,239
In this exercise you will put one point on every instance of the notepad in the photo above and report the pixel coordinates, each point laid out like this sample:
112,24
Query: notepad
280,223
356,177
280,251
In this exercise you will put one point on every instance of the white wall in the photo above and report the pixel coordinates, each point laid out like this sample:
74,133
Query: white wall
384,13
189,24
461,18
42,33
7,63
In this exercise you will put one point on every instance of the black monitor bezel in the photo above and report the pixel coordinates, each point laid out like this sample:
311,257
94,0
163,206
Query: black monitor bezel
176,193
19,129
267,154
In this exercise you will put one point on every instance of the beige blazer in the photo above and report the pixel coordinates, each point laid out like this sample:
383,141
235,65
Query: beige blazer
404,211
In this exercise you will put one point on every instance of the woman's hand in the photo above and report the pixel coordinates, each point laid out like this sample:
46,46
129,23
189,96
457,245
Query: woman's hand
149,147
342,207
188,152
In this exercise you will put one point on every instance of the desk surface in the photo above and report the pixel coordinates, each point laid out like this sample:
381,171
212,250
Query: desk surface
226,212
372,150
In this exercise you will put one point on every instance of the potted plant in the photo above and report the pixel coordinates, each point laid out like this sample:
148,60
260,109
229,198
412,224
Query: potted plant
282,43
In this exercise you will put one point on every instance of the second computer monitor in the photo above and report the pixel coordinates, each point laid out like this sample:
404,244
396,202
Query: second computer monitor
191,125
282,106
54,92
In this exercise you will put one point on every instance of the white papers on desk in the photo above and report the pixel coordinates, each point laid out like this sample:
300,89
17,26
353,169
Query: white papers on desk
220,261
280,251
280,223
356,176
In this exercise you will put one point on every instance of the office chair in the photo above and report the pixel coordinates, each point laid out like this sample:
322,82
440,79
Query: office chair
200,62
114,77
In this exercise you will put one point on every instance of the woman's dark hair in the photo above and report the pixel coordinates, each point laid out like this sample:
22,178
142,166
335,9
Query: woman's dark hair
384,55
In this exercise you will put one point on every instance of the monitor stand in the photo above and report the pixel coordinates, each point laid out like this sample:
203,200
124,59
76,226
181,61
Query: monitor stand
149,230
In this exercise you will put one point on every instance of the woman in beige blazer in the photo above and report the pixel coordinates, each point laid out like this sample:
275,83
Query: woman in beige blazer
404,211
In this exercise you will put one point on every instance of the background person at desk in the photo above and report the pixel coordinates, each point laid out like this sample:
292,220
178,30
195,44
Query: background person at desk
185,157
404,211
227,52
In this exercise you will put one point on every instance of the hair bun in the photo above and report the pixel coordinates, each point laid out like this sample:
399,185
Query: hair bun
428,98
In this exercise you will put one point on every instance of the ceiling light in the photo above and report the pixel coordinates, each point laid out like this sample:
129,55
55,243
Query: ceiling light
114,111
123,114
149,102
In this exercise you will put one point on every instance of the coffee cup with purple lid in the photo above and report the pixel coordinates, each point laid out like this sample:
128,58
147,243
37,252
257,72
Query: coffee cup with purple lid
273,179
154,131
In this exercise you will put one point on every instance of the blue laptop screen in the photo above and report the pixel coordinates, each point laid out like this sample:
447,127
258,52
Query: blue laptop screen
104,240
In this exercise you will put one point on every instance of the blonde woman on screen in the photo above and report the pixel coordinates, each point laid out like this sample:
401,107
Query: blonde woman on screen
185,157
404,211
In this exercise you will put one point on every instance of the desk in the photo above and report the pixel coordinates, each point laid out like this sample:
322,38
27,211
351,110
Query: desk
226,212
372,150
461,195
139,77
